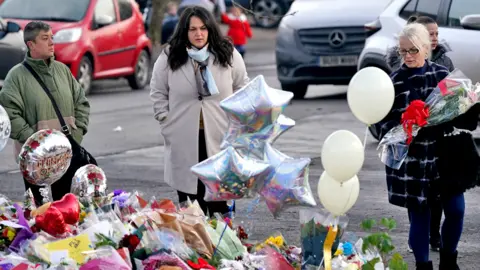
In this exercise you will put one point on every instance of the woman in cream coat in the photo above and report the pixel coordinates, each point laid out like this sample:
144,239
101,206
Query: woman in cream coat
198,69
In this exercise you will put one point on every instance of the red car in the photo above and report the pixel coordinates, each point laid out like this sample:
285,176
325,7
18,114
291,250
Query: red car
97,39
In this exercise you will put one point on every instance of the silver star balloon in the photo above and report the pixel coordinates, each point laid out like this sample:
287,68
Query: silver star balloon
287,185
256,105
253,144
229,176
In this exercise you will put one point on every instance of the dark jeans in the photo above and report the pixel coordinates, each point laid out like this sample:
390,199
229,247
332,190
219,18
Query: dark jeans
454,209
240,49
59,188
436,212
209,208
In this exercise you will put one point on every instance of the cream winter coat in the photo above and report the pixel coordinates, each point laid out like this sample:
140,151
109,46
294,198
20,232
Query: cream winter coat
175,96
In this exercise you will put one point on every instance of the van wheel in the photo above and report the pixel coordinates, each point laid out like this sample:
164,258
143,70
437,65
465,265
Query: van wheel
139,79
299,90
84,76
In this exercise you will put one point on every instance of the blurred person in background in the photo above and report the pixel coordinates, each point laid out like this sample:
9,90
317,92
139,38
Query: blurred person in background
239,27
29,107
439,57
169,22
199,68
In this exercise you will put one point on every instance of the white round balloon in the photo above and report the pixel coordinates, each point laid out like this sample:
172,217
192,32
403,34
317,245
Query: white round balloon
338,197
343,155
370,95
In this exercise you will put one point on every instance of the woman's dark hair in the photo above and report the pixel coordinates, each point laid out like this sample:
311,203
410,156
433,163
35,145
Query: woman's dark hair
218,45
420,19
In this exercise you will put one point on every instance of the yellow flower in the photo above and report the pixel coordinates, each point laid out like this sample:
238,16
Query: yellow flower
275,241
10,234
279,241
338,252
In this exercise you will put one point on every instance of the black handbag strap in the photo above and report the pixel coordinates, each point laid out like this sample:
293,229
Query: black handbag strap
64,125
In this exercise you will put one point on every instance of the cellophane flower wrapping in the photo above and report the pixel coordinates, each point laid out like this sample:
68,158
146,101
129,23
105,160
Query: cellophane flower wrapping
314,227
156,261
105,258
453,96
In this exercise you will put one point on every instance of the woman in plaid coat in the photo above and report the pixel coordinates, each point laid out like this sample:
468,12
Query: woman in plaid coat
420,178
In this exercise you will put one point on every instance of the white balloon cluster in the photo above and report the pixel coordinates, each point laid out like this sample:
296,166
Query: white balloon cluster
370,98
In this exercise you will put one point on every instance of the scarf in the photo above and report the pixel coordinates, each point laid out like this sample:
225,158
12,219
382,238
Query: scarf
205,82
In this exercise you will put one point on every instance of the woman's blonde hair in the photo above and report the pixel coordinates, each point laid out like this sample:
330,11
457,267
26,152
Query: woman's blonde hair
419,36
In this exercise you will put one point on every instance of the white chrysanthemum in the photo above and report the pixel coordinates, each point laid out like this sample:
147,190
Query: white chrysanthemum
464,104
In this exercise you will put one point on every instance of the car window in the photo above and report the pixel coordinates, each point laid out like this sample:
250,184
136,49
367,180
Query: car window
428,8
461,8
125,8
421,7
46,10
105,8
409,9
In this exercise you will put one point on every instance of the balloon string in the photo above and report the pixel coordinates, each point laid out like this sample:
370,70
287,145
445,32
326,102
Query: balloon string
230,208
365,137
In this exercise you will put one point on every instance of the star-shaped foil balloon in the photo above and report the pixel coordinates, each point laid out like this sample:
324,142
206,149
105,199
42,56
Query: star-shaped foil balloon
229,176
287,185
253,144
256,105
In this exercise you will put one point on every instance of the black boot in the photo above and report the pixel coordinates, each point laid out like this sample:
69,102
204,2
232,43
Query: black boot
448,261
424,265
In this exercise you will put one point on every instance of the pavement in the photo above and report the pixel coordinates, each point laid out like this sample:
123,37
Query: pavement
128,146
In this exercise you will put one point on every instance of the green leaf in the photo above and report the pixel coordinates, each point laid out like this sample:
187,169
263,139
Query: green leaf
388,223
397,262
368,224
370,265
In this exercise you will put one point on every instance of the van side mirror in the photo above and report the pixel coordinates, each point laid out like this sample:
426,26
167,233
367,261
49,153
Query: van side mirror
13,27
471,22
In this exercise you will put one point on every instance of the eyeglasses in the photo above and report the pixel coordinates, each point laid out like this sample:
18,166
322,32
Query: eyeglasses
411,51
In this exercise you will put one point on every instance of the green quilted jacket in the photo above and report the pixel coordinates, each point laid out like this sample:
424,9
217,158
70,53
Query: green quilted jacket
30,109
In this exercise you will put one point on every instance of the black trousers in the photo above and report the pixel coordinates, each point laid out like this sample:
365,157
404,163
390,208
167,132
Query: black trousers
209,208
436,211
59,188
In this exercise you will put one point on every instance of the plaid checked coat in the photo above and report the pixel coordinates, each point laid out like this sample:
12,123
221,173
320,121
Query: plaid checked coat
416,181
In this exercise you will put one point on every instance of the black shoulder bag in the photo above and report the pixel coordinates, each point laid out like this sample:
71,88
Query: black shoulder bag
80,156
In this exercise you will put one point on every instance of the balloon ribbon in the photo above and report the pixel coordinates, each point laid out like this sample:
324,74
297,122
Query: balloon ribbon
327,246
416,113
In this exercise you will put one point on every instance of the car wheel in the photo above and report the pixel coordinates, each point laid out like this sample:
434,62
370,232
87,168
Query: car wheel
139,79
85,74
268,13
298,90
374,132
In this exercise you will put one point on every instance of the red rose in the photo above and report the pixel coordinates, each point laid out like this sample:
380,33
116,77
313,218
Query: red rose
131,242
134,241
34,145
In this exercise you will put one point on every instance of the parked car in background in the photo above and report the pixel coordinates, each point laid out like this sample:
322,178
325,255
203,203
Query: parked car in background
96,39
266,13
321,42
459,27
12,47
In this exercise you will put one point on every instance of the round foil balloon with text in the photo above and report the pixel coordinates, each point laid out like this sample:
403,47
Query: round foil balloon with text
45,157
89,181
5,128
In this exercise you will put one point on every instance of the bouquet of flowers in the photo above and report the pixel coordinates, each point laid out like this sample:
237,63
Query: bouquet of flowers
314,229
452,97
